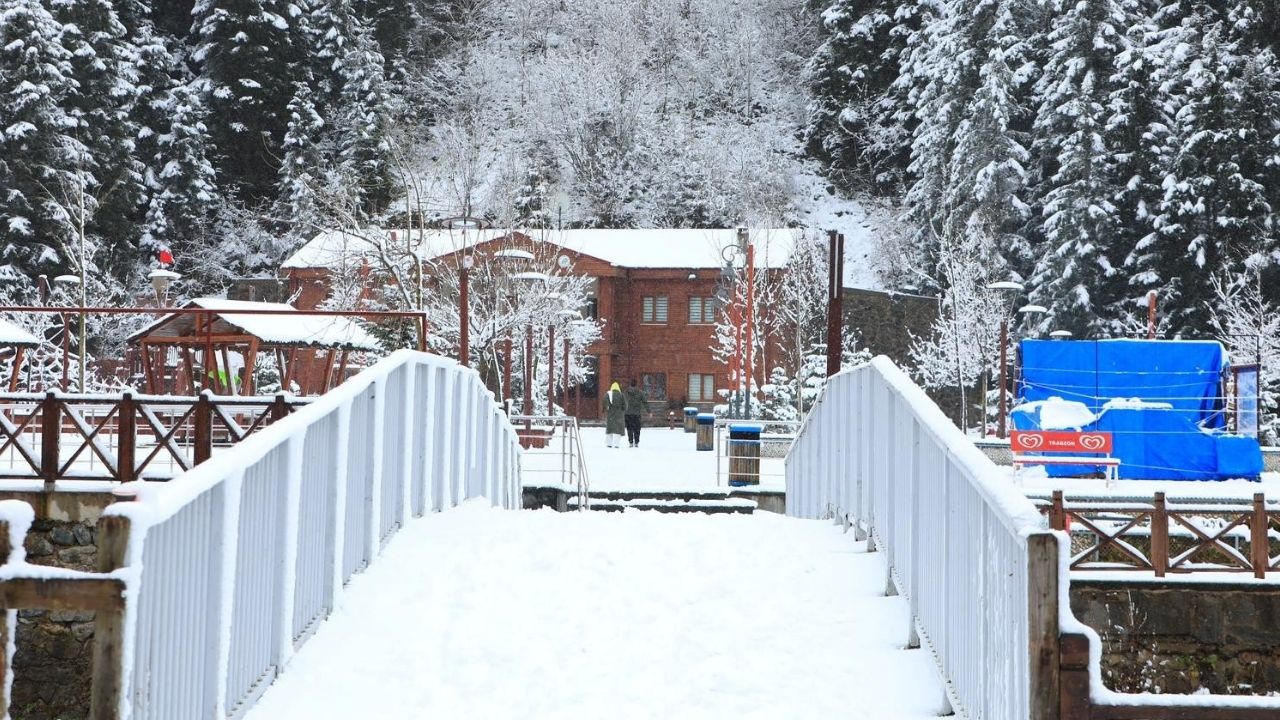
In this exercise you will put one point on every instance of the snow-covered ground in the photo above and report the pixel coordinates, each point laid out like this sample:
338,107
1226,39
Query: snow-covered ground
483,613
1034,481
665,460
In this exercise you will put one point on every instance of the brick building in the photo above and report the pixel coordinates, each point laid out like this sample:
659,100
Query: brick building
654,290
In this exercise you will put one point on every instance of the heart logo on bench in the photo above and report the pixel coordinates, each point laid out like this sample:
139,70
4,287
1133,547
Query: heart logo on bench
1030,442
1092,442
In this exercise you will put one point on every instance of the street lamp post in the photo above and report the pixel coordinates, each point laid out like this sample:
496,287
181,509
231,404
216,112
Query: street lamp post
1012,289
1025,311
464,310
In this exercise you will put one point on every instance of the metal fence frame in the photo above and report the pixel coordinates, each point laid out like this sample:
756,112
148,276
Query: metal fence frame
208,584
971,556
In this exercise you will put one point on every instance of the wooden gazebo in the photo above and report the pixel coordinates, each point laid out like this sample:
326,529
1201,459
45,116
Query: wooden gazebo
220,349
14,343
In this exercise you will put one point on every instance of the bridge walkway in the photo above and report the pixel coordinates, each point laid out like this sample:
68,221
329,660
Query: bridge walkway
484,613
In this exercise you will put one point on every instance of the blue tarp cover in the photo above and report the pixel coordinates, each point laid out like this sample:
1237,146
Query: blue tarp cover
1182,441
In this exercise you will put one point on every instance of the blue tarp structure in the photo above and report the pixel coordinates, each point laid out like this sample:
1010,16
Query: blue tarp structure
1174,433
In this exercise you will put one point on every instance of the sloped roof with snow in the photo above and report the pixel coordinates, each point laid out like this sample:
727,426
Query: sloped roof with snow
288,330
629,248
13,336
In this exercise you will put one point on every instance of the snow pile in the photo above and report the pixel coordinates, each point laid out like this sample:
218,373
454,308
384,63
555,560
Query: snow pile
1135,404
275,329
1058,414
477,613
13,336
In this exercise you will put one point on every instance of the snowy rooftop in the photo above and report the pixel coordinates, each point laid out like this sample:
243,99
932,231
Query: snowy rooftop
300,330
13,336
626,248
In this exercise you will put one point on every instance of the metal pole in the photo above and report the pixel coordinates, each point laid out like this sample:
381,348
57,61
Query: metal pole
506,370
564,378
464,316
835,302
551,370
751,305
1004,363
1151,315
527,409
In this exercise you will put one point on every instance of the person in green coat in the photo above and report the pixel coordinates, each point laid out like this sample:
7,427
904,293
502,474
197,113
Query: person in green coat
615,408
636,404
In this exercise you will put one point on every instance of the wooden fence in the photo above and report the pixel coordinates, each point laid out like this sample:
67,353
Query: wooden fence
55,436
1163,536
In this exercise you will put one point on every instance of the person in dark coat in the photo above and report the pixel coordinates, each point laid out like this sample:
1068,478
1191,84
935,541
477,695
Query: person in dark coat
615,407
635,406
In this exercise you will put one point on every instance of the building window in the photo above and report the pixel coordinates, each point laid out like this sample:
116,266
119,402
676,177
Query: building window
654,386
655,310
702,311
702,388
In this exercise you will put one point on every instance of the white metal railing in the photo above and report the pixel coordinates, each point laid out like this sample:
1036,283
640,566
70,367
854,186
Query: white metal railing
876,453
553,453
232,565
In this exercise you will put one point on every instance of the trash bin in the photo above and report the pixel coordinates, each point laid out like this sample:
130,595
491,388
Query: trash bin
691,419
744,454
706,437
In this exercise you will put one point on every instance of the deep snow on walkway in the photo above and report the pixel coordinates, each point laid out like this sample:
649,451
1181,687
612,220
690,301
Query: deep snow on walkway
484,613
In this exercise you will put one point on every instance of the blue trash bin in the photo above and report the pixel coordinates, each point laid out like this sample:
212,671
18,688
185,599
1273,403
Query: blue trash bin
744,454
706,437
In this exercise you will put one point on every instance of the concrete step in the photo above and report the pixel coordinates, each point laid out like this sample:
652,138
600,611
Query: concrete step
658,503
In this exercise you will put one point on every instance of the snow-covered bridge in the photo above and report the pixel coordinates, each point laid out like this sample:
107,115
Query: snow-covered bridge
307,574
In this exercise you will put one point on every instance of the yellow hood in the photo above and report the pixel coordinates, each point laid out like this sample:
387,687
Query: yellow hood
614,387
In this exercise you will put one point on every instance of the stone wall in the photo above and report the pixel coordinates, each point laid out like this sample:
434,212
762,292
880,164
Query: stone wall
1180,636
52,672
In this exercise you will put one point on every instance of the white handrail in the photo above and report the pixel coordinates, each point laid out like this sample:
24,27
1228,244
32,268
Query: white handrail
233,564
875,452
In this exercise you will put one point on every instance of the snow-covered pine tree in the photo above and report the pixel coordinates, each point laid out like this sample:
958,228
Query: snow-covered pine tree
184,193
1077,274
1217,205
352,95
988,175
302,175
250,56
847,78
36,148
975,46
1140,114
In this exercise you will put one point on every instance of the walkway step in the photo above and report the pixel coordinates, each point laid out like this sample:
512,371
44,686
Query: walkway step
707,506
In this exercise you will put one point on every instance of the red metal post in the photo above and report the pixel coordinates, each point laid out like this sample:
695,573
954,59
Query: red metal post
1151,315
506,372
527,408
464,315
751,309
551,370
564,378
835,300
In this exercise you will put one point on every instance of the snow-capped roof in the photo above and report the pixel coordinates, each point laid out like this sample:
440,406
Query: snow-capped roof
13,336
288,330
629,248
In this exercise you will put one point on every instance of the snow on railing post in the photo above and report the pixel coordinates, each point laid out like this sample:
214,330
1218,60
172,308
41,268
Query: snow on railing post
203,420
289,557
407,420
341,459
50,439
229,543
373,528
127,437
915,553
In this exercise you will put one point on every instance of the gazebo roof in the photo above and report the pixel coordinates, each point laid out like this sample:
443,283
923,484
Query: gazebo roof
13,336
282,331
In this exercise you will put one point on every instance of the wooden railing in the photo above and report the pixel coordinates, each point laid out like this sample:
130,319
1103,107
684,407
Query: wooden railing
1163,536
54,436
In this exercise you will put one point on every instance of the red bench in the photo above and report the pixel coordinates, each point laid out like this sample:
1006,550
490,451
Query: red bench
1058,447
